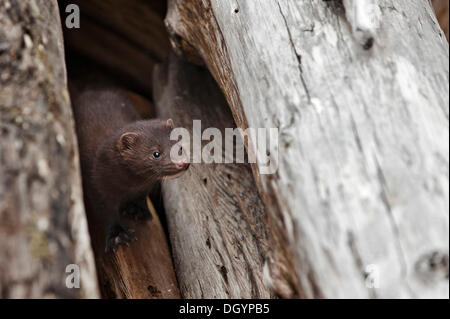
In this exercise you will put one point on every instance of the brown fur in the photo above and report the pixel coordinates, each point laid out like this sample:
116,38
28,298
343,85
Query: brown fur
117,157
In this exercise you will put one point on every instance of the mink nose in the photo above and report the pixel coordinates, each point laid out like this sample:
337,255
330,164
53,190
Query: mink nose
183,165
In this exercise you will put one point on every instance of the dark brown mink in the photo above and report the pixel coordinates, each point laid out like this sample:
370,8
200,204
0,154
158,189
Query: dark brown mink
122,158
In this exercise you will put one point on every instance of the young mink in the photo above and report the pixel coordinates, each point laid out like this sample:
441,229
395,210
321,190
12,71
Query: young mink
122,158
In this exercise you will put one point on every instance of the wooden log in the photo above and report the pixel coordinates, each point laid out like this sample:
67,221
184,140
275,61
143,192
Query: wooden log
43,226
144,270
361,190
216,220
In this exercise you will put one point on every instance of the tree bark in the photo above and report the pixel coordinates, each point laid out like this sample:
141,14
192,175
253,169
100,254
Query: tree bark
360,98
217,223
42,220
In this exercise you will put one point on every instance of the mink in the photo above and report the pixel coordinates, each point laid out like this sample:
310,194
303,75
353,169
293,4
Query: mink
122,157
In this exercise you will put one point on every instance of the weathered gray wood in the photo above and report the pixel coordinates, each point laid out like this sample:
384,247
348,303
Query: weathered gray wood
217,223
362,184
42,221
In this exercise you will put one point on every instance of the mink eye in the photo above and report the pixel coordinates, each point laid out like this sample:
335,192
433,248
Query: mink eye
156,154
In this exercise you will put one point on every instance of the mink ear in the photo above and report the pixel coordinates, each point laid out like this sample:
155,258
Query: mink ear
169,124
127,141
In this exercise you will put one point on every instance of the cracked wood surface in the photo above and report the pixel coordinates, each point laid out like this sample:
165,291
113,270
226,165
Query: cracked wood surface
362,189
216,220
42,220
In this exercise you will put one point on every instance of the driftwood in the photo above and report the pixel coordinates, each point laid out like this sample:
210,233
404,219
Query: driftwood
216,220
43,227
361,103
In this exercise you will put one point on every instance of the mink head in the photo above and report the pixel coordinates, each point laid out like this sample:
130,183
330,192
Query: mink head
145,148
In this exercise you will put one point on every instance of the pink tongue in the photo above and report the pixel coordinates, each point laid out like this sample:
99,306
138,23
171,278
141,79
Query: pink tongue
182,164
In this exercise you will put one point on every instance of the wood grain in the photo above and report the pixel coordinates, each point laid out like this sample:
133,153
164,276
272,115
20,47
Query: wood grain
217,222
144,270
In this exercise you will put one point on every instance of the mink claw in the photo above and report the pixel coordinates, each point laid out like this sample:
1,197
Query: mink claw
119,236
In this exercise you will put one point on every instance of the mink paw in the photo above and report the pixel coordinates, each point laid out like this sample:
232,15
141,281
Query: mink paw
137,210
119,235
